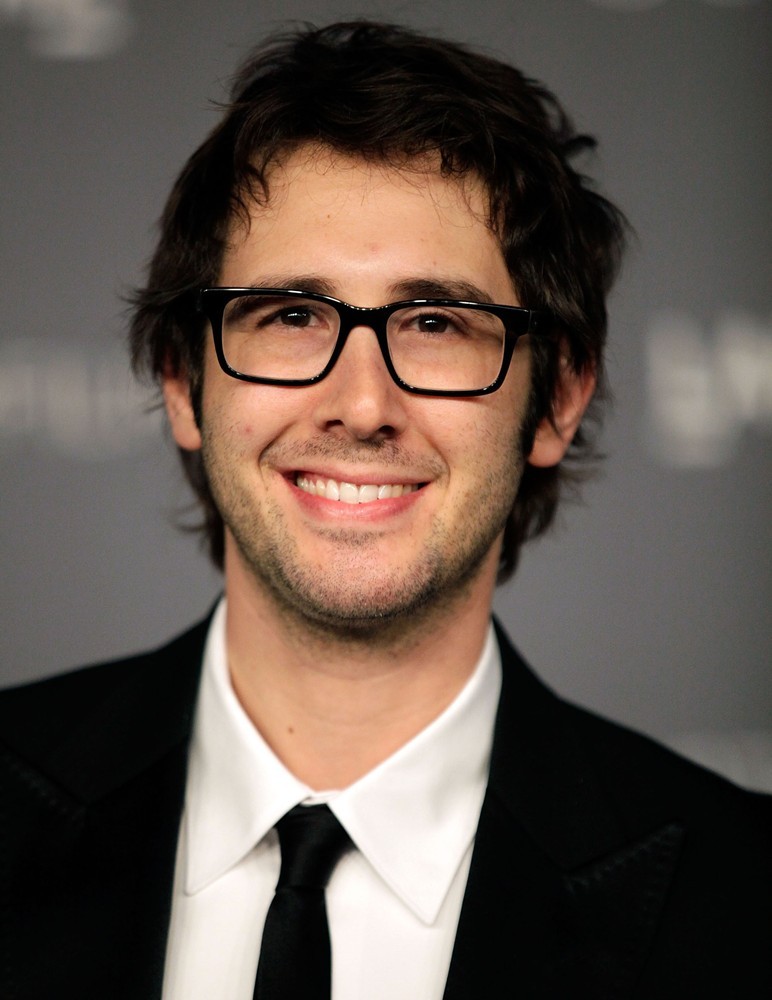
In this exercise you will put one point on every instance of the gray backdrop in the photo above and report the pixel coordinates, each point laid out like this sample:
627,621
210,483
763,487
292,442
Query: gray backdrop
651,601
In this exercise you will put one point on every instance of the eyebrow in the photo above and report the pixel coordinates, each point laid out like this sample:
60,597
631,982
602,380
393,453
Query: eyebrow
407,288
296,282
440,288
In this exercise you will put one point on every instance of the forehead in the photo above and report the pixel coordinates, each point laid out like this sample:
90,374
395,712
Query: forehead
332,214
312,168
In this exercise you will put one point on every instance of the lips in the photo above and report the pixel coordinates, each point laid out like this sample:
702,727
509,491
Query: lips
332,489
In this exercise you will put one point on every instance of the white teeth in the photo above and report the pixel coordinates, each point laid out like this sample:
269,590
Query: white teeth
350,492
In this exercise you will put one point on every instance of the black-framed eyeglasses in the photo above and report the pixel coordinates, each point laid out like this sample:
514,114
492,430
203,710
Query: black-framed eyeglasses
433,347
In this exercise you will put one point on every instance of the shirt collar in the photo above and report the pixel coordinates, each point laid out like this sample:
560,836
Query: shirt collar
413,817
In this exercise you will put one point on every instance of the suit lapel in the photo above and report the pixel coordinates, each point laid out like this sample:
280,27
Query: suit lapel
562,899
95,846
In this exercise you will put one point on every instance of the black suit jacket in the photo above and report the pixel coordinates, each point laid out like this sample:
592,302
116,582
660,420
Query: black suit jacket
604,866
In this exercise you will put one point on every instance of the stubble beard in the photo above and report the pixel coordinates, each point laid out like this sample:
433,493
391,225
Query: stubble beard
354,602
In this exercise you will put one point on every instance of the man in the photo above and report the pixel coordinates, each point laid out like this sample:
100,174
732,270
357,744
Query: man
376,311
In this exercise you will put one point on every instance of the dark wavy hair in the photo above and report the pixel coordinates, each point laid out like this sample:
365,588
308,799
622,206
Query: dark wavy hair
388,94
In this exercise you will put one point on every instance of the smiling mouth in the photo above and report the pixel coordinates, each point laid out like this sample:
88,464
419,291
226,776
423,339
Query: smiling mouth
331,489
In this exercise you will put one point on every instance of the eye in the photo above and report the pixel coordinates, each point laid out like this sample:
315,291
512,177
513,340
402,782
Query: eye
432,323
276,312
296,316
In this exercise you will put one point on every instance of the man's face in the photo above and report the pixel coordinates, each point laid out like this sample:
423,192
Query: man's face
367,234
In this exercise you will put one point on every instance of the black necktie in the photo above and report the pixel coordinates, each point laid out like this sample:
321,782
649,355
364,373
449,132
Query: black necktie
295,954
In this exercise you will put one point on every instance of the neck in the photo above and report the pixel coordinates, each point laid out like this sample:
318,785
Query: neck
332,707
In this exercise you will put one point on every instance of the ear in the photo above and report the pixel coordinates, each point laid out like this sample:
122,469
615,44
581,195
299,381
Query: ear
572,397
179,409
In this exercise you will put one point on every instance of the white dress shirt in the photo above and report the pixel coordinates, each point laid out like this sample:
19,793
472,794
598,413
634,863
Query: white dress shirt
393,902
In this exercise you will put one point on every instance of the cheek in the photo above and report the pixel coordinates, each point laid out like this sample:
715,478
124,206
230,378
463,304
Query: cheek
477,437
495,439
481,421
241,418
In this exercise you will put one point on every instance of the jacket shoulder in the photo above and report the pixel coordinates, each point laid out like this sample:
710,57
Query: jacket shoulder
637,767
645,783
39,718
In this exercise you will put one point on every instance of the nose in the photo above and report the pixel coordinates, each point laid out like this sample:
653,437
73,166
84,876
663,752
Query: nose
359,396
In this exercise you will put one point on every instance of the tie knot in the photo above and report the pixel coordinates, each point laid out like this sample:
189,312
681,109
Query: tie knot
312,840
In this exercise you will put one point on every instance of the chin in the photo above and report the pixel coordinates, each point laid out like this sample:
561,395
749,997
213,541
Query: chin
383,610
